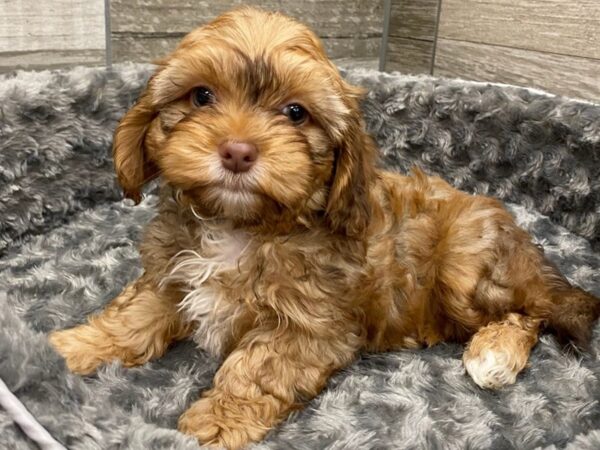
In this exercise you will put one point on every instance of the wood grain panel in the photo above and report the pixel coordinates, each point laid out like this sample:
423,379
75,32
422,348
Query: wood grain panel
413,19
349,29
150,47
50,59
570,27
409,55
144,48
565,75
328,17
54,33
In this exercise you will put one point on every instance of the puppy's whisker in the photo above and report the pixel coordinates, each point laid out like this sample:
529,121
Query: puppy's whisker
147,179
174,83
197,215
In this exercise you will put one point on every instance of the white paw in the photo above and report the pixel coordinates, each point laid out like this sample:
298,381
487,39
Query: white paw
491,369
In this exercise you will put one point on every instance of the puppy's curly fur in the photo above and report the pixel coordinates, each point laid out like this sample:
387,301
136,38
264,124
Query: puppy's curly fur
291,268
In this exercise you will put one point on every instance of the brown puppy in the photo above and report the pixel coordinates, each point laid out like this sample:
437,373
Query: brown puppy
281,247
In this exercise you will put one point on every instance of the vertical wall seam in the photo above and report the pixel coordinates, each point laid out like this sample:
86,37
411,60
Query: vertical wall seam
387,7
107,34
435,37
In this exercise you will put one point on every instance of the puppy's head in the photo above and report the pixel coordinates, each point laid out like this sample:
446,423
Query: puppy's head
252,122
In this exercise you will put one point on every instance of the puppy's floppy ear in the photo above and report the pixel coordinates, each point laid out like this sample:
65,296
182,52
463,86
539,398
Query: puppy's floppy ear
348,205
132,162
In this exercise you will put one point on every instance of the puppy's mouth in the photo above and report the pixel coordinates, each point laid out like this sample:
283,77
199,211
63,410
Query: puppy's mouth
238,186
237,183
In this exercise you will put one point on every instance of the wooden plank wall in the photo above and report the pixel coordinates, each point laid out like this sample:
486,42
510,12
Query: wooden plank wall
51,33
411,36
36,34
143,30
547,44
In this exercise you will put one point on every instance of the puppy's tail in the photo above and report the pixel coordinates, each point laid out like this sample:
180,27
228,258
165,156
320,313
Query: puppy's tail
574,311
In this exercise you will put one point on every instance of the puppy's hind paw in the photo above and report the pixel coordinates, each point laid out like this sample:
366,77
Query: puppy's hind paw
491,369
500,350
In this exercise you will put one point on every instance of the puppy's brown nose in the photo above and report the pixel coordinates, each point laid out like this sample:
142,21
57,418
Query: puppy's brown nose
238,156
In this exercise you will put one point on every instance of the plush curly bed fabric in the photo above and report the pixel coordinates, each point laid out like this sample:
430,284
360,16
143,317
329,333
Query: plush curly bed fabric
68,245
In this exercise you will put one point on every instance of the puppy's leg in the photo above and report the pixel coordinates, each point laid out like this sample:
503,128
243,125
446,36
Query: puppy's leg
136,326
500,350
269,374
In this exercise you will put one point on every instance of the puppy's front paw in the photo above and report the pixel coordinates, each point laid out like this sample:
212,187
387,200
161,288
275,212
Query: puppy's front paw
221,420
82,355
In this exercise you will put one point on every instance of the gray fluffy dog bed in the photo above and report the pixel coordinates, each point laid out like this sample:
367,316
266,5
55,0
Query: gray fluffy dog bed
68,245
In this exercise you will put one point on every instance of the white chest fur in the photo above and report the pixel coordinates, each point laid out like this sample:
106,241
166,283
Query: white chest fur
200,270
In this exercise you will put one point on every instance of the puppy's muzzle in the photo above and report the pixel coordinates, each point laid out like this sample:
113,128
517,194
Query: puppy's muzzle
238,157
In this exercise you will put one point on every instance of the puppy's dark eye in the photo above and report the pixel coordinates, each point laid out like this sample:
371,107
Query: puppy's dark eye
202,96
295,113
